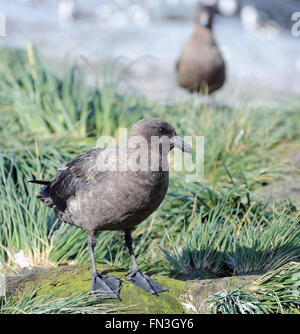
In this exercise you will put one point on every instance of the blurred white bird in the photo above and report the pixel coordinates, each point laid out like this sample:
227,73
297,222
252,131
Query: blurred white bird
67,10
227,7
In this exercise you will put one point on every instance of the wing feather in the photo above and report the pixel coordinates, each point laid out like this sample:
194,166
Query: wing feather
75,175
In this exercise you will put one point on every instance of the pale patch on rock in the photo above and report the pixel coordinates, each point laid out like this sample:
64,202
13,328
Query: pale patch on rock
22,260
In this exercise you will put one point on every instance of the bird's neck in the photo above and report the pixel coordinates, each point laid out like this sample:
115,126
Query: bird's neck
145,157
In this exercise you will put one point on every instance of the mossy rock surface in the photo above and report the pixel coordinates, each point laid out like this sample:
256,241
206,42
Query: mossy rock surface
66,280
181,297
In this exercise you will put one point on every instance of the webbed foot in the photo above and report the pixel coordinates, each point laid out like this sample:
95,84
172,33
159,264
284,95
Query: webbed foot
105,286
145,282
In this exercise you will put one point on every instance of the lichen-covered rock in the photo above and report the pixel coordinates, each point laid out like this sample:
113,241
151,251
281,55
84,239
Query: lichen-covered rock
197,292
181,297
66,280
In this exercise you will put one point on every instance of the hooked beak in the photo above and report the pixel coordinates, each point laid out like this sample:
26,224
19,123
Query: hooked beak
179,143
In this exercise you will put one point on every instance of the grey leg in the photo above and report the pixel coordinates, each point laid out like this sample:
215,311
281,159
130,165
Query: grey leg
136,276
128,241
102,285
91,246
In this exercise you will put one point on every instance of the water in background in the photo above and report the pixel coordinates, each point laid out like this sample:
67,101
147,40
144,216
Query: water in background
262,62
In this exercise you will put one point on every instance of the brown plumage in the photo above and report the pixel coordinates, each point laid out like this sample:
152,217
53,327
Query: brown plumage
88,195
201,66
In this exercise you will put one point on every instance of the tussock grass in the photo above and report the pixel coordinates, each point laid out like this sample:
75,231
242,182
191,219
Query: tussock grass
234,234
81,303
276,292
36,103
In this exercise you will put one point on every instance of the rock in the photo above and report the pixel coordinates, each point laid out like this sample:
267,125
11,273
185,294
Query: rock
196,293
182,296
2,285
65,280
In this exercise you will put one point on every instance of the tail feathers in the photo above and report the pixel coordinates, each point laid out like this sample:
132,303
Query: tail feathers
43,195
39,182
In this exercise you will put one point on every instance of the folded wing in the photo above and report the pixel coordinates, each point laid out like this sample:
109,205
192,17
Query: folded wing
76,174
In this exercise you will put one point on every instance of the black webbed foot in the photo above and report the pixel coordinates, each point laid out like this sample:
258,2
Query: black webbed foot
105,286
143,281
